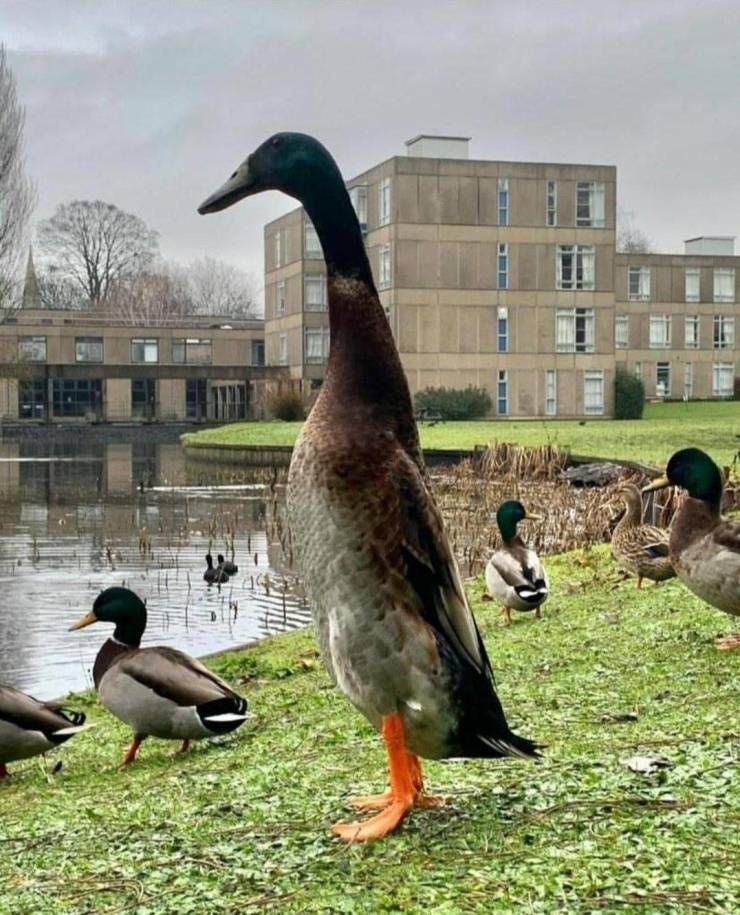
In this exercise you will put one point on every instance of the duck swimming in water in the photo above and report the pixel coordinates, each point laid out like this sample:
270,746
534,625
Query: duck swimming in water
159,691
229,567
393,623
217,575
29,727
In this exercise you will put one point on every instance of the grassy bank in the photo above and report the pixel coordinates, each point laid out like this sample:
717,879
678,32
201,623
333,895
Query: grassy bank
240,825
665,428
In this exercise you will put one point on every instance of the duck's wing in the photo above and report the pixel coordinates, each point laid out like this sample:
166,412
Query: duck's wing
652,540
176,676
516,572
727,534
30,714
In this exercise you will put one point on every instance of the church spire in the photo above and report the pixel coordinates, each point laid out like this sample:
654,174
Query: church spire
31,292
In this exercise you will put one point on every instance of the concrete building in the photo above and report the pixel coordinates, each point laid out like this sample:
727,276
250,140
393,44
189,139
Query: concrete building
71,366
502,275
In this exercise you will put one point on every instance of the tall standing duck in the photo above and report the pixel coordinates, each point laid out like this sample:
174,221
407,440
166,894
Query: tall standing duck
393,623
29,727
158,691
515,576
704,546
641,549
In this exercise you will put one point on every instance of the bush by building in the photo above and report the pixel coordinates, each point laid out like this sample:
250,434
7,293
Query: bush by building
629,395
452,403
288,406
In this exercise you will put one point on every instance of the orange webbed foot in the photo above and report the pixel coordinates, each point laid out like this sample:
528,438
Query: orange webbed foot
376,827
728,643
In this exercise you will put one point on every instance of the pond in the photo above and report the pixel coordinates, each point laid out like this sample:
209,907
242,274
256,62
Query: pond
83,511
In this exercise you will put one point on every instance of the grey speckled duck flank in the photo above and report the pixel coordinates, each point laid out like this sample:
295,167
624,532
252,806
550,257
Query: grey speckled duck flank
29,727
393,623
704,547
641,549
515,576
158,692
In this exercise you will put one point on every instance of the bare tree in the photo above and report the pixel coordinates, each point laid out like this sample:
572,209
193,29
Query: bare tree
152,298
97,246
218,288
54,290
630,239
17,193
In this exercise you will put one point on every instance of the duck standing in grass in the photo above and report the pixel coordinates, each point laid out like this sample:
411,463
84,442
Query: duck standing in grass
515,576
704,546
29,727
159,691
392,620
640,549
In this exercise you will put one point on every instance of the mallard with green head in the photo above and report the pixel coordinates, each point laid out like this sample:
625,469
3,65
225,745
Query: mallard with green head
515,576
29,727
640,549
704,546
394,626
159,691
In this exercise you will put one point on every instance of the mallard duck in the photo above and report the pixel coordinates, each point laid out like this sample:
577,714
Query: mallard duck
704,546
229,567
29,727
214,576
158,692
393,623
515,576
640,549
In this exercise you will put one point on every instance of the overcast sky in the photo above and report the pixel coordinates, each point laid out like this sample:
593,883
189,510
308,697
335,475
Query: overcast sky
150,105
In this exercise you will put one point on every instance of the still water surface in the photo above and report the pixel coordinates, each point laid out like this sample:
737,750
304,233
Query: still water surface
81,513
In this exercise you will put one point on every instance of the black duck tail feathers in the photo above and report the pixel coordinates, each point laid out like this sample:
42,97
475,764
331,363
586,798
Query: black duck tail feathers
223,715
511,745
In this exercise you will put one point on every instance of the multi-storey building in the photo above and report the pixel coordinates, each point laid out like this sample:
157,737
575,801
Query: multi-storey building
496,274
70,366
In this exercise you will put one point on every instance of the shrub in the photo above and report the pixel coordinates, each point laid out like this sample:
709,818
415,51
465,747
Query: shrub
450,403
288,406
629,395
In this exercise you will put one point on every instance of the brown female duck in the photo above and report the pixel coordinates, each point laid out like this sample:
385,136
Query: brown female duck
393,623
640,549
704,546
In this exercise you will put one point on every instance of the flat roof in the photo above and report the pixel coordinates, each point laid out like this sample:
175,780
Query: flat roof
711,238
434,136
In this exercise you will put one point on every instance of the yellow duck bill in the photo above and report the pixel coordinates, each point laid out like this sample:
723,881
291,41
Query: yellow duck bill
659,483
87,620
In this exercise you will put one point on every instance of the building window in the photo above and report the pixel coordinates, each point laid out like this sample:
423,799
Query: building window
552,203
638,370
77,397
191,351
317,345
503,266
384,272
576,266
593,392
257,352
311,243
283,349
314,288
551,392
358,196
691,332
88,349
32,399
688,381
692,284
502,394
660,331
502,330
590,196
575,330
503,201
663,379
145,349
724,332
143,398
639,284
724,284
278,249
385,202
622,331
196,398
723,379
280,297
31,349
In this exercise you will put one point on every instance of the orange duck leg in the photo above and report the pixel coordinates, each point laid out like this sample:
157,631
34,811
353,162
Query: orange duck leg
406,792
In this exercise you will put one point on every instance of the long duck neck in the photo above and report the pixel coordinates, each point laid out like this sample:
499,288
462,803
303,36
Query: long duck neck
126,637
693,520
632,516
364,369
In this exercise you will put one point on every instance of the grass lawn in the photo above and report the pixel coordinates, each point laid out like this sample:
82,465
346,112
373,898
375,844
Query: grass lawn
713,426
240,825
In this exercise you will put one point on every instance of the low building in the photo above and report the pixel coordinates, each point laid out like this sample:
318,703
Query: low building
76,366
505,275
